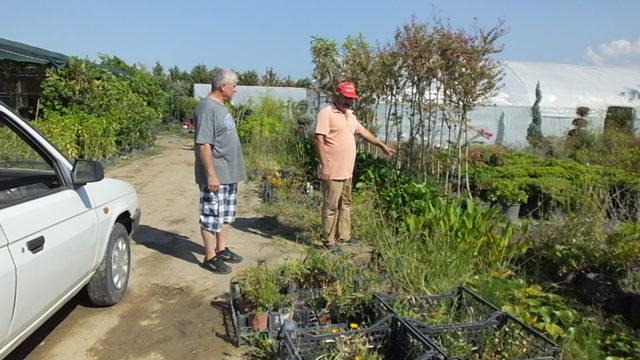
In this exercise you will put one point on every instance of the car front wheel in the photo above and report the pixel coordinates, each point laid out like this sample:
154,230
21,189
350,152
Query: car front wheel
109,283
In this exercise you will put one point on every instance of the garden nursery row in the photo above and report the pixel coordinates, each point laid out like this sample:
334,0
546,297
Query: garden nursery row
558,281
309,313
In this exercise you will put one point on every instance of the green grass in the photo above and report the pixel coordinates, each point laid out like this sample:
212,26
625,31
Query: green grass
296,213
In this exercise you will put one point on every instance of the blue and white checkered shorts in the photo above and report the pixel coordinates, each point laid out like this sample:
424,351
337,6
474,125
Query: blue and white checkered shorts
219,207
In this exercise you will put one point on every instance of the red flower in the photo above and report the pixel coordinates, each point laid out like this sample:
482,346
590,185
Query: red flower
485,133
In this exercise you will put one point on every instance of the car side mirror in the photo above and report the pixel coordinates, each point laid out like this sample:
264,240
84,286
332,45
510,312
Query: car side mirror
86,171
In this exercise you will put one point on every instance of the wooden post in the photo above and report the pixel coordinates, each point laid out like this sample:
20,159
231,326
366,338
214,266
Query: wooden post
37,108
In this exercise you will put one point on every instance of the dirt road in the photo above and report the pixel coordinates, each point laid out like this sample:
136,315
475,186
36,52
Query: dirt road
173,308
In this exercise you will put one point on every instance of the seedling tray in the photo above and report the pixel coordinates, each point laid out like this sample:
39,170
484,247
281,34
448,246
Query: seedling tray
463,325
392,338
242,324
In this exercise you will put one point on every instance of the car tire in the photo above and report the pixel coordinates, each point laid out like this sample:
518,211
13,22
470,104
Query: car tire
109,283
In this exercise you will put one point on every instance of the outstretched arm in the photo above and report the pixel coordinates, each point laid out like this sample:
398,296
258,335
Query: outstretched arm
368,136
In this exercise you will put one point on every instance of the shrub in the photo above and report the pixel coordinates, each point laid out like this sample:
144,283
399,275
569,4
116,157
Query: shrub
261,288
270,140
132,103
582,244
62,131
80,135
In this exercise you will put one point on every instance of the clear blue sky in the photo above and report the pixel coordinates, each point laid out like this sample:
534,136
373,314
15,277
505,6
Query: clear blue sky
254,34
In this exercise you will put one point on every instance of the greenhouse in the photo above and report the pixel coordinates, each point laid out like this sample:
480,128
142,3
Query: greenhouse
564,88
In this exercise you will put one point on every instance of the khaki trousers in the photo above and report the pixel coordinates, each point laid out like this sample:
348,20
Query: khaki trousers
336,211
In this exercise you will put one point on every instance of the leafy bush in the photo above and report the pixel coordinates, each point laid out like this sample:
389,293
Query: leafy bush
581,244
439,242
517,177
261,288
80,135
13,149
267,121
580,338
62,131
132,104
270,139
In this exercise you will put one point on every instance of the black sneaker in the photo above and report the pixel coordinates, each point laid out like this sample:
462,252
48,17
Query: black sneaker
229,256
216,266
334,248
352,241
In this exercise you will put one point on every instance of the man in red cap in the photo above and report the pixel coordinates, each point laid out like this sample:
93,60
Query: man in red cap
335,132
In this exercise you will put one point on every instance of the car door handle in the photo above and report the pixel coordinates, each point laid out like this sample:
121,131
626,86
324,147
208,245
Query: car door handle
36,244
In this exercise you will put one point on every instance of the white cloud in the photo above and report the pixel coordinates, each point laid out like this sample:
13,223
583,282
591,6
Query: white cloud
616,52
593,57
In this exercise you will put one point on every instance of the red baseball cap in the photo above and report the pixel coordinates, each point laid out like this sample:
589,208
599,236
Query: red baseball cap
347,89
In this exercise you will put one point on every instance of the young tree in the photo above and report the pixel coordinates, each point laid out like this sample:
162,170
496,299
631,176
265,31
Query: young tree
249,77
176,74
357,66
534,131
201,75
158,70
500,134
270,78
303,83
327,66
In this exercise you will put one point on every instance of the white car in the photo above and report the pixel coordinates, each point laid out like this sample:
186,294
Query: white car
63,228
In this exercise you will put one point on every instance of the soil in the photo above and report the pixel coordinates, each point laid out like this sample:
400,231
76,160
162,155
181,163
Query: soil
173,309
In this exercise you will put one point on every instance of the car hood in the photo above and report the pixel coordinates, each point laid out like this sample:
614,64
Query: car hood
107,190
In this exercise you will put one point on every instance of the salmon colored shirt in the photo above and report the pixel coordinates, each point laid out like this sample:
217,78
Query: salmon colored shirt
339,131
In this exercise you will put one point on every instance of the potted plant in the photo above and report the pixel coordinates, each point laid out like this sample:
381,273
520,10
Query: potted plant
508,194
291,274
262,292
320,270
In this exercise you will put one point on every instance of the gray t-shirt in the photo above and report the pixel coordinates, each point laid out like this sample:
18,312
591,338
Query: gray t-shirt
214,125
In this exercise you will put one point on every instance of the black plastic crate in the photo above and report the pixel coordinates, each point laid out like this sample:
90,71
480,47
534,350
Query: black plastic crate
391,337
302,316
499,337
456,306
463,325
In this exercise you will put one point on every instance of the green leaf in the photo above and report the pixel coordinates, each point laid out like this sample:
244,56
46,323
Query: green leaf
554,330
567,316
546,312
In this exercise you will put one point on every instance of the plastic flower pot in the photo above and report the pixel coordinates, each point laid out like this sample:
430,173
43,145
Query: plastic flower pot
511,211
324,317
259,321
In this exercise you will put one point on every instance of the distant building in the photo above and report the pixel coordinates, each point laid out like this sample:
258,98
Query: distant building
22,70
247,94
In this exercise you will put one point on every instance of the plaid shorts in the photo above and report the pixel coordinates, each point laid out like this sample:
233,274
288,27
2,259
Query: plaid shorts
219,207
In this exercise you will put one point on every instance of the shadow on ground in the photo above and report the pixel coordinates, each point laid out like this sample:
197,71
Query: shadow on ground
269,227
221,303
168,243
32,342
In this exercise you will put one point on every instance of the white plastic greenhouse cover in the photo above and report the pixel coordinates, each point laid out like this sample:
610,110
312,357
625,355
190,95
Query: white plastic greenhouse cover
564,88
568,86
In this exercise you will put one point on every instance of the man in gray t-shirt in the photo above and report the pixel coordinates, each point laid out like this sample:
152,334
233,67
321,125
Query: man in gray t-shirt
219,167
